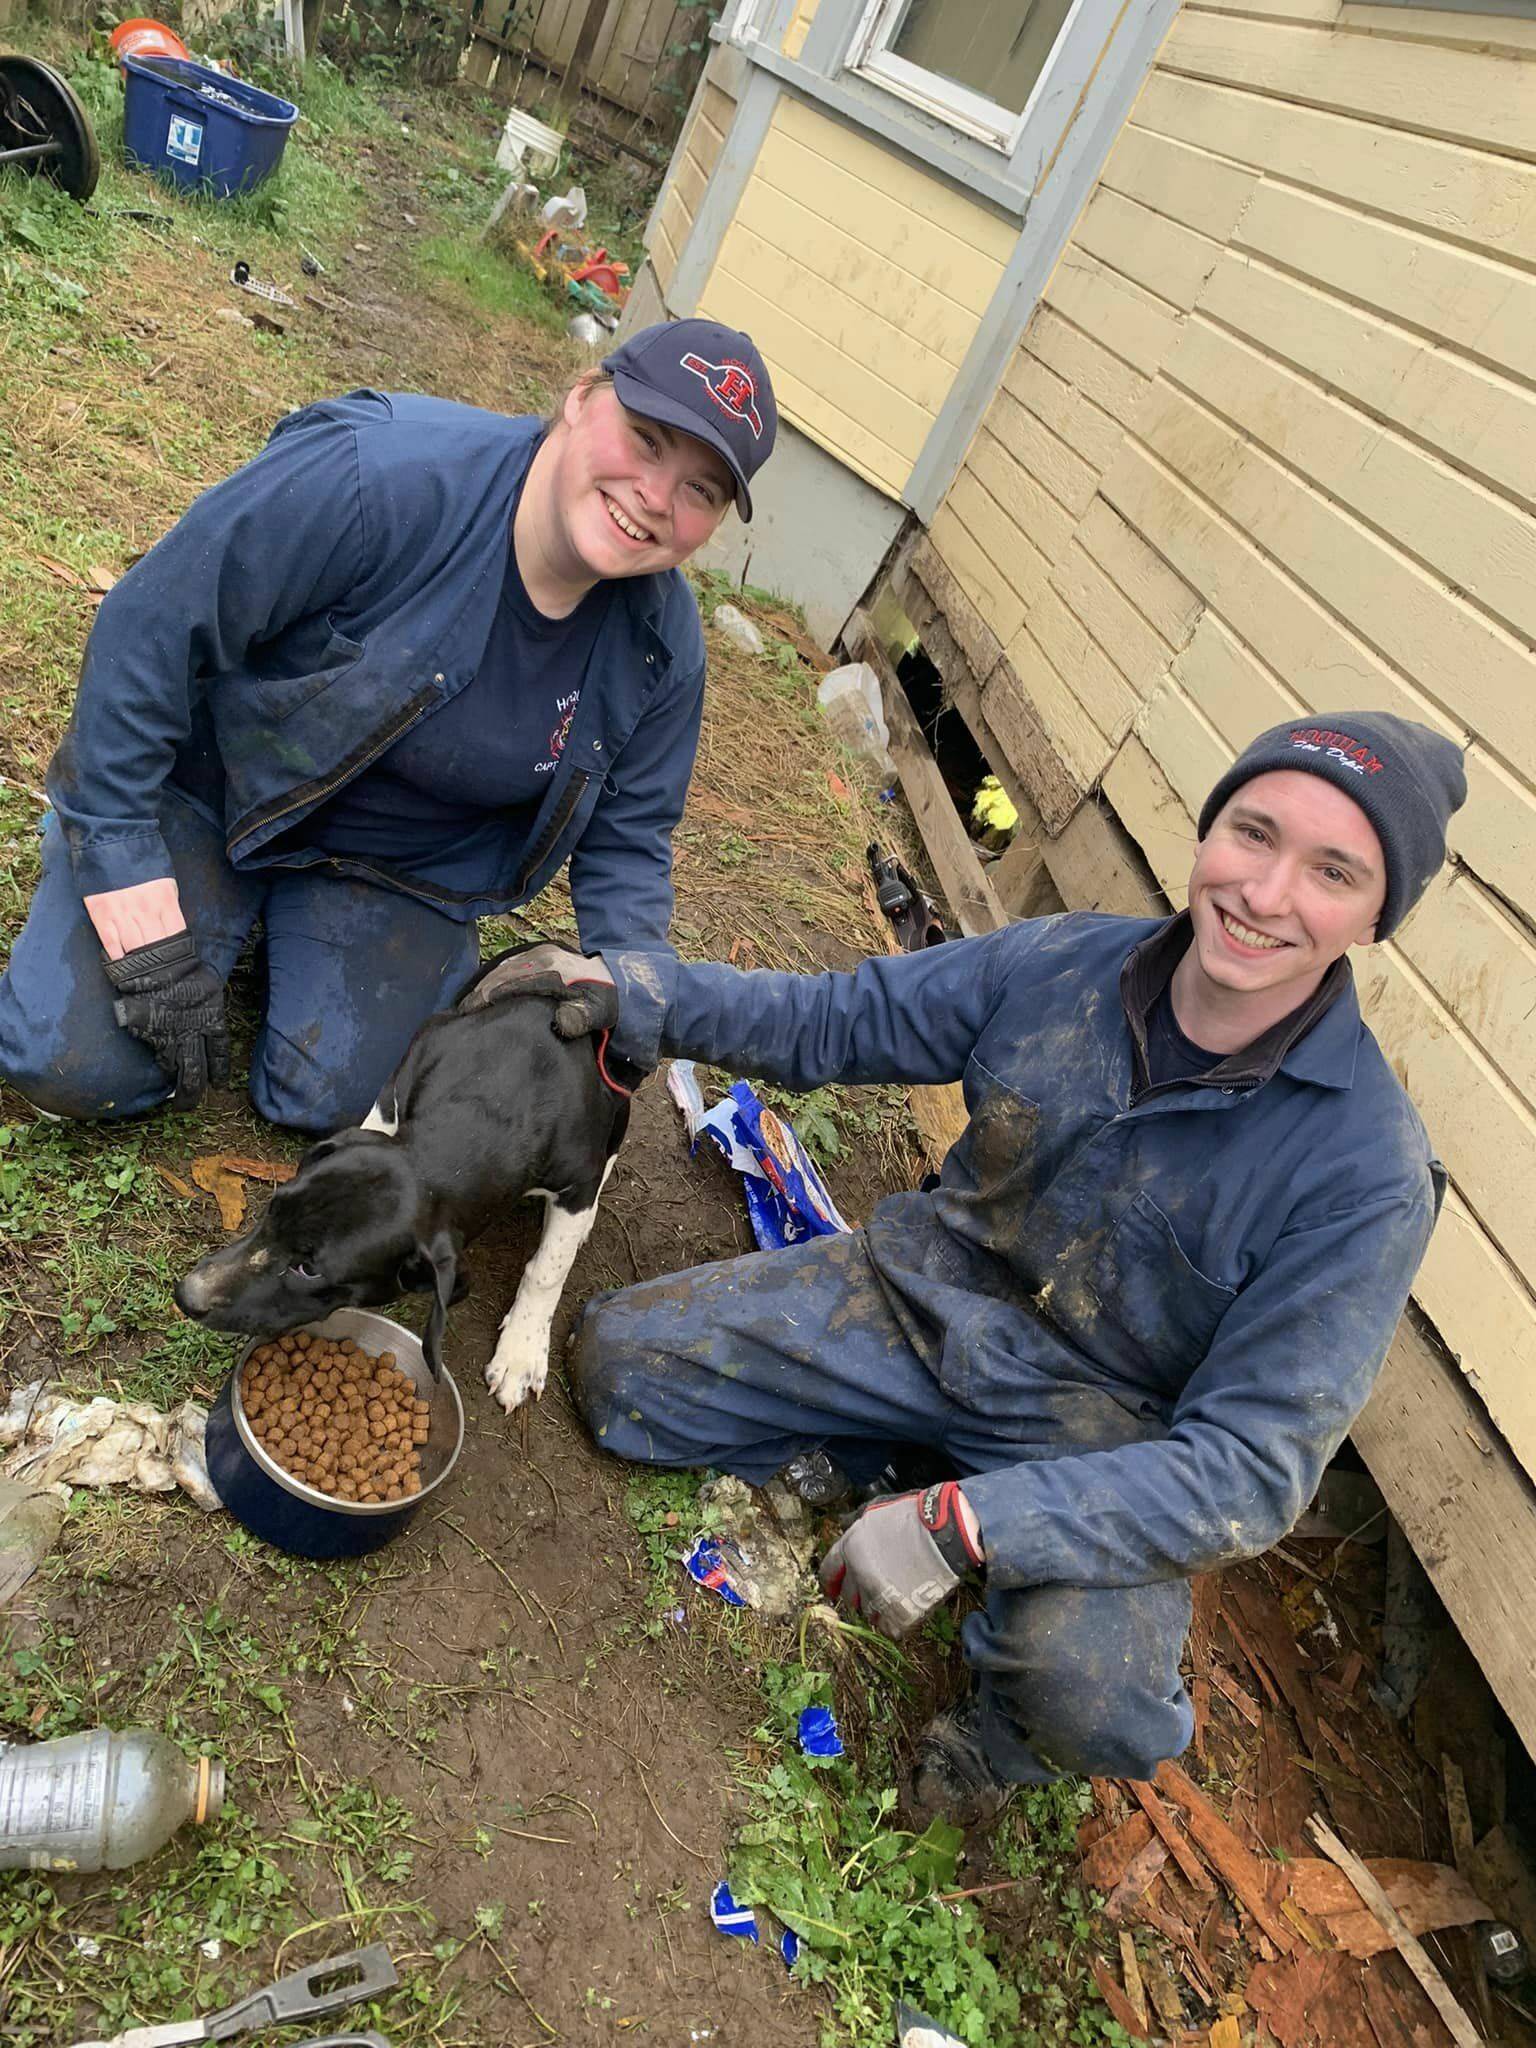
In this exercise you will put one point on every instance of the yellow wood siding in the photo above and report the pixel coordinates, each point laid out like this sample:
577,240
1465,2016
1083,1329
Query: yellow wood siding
1269,448
799,27
694,159
862,279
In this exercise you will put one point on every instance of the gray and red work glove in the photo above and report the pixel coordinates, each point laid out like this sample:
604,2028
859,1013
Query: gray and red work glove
175,1005
902,1557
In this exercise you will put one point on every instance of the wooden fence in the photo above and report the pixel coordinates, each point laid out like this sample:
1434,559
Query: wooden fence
641,56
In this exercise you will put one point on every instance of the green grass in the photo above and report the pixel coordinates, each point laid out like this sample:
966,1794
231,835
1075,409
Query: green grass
488,283
221,1683
821,1850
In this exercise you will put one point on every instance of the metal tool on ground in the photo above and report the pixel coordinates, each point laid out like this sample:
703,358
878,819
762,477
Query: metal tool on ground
914,916
273,294
43,127
349,1979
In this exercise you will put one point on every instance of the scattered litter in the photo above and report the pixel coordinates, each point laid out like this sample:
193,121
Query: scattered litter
528,142
714,1565
30,1519
55,1440
1504,1955
739,1921
818,1732
587,329
851,704
787,1199
212,1949
101,1799
765,1538
516,197
817,1480
568,210
273,294
84,1945
737,628
310,263
789,1947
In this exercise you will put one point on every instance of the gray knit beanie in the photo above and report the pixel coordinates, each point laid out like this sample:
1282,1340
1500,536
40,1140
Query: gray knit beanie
1407,779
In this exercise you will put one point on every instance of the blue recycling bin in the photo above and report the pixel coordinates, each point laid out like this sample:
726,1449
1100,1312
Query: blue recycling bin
204,131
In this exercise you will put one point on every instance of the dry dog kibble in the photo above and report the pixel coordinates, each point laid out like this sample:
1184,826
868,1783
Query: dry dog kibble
346,1423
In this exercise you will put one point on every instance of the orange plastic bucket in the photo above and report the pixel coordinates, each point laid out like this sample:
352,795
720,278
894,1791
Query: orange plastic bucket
142,37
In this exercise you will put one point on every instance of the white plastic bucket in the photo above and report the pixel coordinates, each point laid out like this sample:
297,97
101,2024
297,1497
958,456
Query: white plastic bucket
526,141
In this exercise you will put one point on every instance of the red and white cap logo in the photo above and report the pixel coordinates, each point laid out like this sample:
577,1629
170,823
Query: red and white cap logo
731,386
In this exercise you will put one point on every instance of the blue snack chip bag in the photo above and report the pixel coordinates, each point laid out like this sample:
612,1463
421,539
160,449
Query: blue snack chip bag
711,1564
730,1918
818,1732
787,1199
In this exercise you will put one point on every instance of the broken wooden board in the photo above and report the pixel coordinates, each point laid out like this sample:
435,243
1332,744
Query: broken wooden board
1428,1896
1466,1506
971,896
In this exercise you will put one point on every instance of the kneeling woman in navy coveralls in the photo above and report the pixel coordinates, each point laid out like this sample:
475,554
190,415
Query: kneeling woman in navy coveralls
386,679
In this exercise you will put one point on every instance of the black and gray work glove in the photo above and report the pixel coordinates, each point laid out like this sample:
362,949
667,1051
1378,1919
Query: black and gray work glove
901,1557
589,1001
170,1000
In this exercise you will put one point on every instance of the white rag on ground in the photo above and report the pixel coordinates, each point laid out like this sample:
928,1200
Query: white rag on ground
106,1443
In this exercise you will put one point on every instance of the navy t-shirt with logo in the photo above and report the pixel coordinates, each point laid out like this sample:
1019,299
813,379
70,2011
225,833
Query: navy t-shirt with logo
482,762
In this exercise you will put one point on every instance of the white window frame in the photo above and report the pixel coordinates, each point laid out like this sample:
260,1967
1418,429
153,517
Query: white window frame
970,112
745,23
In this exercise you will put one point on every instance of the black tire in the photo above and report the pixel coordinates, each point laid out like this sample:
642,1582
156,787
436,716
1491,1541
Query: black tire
37,105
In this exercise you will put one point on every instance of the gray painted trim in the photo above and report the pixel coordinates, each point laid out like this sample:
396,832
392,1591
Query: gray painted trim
1049,221
828,38
723,193
975,170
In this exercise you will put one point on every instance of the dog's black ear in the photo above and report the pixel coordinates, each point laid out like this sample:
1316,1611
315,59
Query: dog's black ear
441,1254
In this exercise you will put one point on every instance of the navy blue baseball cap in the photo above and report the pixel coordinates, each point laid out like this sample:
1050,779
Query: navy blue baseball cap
705,380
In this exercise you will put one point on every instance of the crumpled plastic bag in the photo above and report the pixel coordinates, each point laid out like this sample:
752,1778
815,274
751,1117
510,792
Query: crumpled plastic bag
30,1519
106,1443
771,1538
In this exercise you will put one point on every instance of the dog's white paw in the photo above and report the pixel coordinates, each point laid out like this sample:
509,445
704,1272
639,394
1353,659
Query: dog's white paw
518,1367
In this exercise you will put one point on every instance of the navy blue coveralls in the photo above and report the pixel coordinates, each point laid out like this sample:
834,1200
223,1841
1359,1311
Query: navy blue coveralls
299,619
1139,1319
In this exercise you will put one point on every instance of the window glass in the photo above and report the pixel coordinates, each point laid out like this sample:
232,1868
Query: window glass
995,51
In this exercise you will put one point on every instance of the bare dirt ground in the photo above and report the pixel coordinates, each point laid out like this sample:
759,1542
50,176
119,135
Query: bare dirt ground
507,1745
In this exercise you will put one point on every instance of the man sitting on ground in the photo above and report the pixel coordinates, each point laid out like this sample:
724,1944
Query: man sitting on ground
1147,1297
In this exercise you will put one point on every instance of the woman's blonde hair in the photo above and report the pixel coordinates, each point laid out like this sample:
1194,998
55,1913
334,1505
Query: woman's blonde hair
592,379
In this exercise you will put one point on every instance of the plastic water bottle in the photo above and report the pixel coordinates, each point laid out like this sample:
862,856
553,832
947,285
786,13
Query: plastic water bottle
100,1800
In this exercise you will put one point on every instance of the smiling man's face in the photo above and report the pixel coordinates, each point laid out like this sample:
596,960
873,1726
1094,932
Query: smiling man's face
1289,877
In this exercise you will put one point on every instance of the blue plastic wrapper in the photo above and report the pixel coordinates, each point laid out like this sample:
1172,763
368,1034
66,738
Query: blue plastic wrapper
789,1947
787,1199
730,1918
712,1565
818,1732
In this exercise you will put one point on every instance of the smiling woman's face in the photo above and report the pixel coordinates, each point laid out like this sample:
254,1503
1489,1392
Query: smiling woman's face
631,496
1289,877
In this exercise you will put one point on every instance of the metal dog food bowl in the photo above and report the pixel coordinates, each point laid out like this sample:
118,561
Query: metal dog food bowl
284,1511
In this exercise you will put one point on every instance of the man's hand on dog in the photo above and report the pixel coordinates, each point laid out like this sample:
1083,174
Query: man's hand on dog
903,1556
589,1001
170,1000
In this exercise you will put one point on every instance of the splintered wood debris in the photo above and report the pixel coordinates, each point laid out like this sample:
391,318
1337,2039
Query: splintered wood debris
1233,1931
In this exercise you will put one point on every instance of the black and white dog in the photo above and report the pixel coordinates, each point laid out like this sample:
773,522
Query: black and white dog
487,1106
